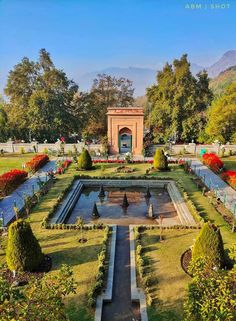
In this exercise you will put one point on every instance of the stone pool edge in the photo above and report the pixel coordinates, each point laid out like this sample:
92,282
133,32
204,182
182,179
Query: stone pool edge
107,295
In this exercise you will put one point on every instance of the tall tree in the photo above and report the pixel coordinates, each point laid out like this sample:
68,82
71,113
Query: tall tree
179,101
3,121
107,91
222,117
41,99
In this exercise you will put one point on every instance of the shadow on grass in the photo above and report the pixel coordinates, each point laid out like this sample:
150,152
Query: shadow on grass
75,256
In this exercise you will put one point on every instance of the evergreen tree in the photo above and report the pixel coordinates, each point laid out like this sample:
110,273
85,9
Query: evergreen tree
179,101
209,245
160,160
23,251
222,117
85,161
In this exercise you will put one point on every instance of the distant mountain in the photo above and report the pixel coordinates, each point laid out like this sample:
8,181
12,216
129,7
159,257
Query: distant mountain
226,61
223,80
144,77
141,77
195,69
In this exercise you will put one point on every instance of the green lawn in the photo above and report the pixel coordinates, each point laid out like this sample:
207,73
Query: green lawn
64,248
169,281
230,162
13,161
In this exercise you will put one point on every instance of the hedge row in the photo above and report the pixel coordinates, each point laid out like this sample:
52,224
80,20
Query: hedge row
10,180
141,261
101,269
61,226
45,222
190,203
37,162
142,177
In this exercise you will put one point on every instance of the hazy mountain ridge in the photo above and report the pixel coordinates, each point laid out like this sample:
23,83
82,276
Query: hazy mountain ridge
223,80
144,77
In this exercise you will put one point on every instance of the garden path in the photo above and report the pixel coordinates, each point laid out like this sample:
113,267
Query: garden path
27,188
226,193
121,308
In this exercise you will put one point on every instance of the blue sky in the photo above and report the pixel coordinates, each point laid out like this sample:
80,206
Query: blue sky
88,35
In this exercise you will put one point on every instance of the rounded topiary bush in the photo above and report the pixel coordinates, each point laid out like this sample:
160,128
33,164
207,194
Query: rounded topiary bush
23,251
160,160
209,245
85,161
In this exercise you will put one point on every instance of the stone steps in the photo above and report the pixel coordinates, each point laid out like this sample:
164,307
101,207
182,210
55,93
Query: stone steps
184,214
68,203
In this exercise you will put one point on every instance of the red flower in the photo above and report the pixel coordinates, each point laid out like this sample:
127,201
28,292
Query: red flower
37,162
230,177
10,180
213,161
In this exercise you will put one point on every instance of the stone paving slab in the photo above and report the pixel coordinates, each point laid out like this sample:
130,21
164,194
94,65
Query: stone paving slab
17,197
226,193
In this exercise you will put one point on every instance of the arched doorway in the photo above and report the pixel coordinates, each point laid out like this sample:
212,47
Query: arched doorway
125,140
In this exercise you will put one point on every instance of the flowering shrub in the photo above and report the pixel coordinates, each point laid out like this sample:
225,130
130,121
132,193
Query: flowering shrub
63,166
230,177
10,180
37,162
213,161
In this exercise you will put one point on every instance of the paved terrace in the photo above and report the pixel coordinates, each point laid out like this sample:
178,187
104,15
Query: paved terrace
27,188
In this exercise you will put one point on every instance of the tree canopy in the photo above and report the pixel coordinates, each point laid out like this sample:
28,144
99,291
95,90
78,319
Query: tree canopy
222,117
179,102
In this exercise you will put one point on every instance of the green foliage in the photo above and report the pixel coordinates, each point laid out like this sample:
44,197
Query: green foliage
211,294
222,117
160,160
84,160
223,80
98,283
179,101
41,99
41,299
23,251
209,245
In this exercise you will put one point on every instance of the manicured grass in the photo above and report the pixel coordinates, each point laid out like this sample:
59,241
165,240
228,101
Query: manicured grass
169,281
230,162
64,248
201,202
110,170
13,161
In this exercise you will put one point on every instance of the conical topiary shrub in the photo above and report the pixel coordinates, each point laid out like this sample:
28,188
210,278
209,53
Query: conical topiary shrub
160,160
125,203
209,245
95,213
23,250
85,161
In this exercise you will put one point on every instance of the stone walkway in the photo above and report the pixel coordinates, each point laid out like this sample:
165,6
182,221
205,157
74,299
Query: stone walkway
27,188
226,193
121,308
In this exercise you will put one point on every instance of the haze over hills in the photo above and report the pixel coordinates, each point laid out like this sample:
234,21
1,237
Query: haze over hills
223,80
144,77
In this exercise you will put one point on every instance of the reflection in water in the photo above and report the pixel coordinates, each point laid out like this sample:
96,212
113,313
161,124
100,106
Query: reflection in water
111,210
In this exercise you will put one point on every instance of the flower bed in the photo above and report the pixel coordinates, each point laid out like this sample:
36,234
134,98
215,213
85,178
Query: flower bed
37,162
230,177
213,161
63,166
10,180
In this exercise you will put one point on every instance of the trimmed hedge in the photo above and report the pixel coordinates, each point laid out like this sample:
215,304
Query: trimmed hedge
209,245
101,269
85,160
23,251
160,160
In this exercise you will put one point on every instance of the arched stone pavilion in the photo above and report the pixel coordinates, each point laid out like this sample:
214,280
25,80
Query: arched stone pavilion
125,130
